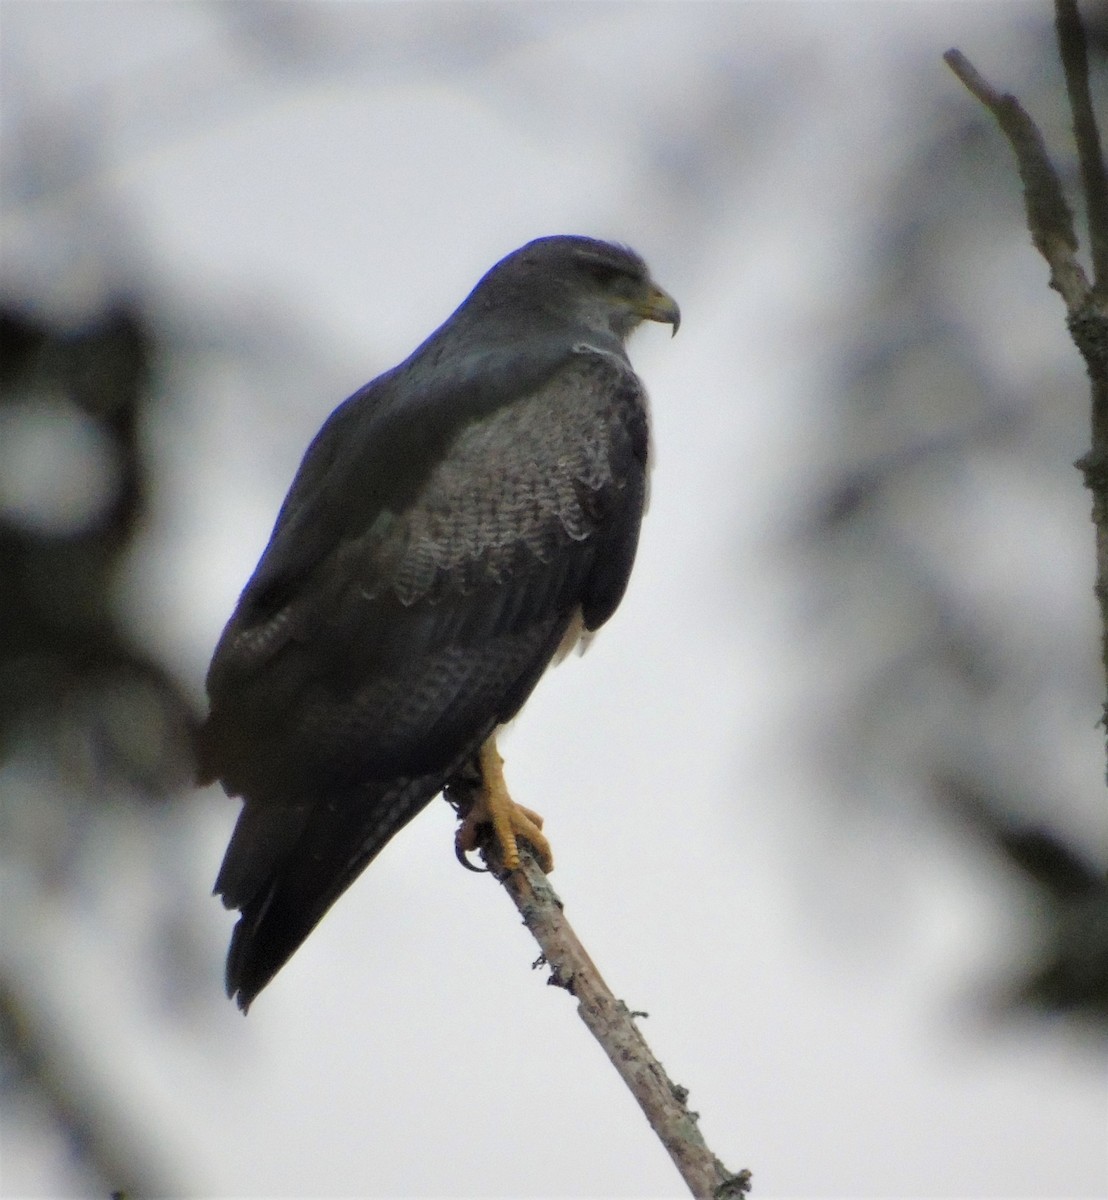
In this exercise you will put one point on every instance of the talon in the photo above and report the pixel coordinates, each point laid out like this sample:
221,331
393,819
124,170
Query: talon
467,840
509,821
462,855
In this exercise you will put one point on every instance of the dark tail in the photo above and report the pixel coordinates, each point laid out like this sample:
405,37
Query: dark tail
286,866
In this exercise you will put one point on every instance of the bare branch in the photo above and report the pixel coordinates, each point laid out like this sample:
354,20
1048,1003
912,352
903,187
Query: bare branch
1075,63
613,1025
1048,214
1051,225
609,1020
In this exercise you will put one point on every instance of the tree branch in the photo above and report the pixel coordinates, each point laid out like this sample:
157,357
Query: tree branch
609,1020
1051,225
613,1025
1075,63
1048,214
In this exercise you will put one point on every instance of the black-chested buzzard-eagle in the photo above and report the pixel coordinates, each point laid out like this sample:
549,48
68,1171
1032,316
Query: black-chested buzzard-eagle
452,525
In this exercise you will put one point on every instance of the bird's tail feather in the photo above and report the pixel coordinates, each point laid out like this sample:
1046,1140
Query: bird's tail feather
286,866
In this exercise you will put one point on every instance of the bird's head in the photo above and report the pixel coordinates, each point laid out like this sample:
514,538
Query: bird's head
589,285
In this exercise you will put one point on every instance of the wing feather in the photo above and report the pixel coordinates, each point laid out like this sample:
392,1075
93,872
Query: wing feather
521,522
363,668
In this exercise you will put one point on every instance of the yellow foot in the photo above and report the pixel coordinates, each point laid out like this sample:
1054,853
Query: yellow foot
509,820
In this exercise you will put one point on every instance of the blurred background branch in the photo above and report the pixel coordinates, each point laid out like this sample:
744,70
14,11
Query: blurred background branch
101,1139
1072,975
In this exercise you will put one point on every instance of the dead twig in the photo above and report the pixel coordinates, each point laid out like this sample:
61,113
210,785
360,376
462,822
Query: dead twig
1094,181
612,1024
1048,213
609,1020
1051,225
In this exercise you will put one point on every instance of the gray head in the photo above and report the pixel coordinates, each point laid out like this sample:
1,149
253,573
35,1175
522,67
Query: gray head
588,285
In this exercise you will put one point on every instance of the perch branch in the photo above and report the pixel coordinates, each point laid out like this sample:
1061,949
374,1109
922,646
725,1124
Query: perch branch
613,1025
609,1020
1051,225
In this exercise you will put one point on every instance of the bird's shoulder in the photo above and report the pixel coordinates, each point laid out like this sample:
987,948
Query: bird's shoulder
375,454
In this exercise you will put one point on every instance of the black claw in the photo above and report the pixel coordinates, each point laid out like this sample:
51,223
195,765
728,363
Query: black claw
461,856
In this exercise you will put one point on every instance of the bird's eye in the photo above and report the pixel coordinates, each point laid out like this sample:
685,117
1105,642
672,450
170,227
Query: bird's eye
604,273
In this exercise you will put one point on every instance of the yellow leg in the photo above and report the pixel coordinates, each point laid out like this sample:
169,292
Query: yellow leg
494,806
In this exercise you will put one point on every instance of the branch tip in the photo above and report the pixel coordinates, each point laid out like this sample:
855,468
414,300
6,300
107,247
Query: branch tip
1049,219
612,1023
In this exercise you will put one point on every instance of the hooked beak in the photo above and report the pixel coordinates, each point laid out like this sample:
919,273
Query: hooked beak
660,306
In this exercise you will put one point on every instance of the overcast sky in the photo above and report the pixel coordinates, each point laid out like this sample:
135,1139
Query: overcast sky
331,180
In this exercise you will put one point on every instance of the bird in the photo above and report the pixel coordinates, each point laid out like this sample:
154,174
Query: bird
456,525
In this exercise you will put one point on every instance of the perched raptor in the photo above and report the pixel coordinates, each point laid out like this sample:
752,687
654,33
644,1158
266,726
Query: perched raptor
452,526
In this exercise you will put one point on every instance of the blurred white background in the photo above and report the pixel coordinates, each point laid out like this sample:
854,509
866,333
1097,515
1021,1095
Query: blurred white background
736,776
